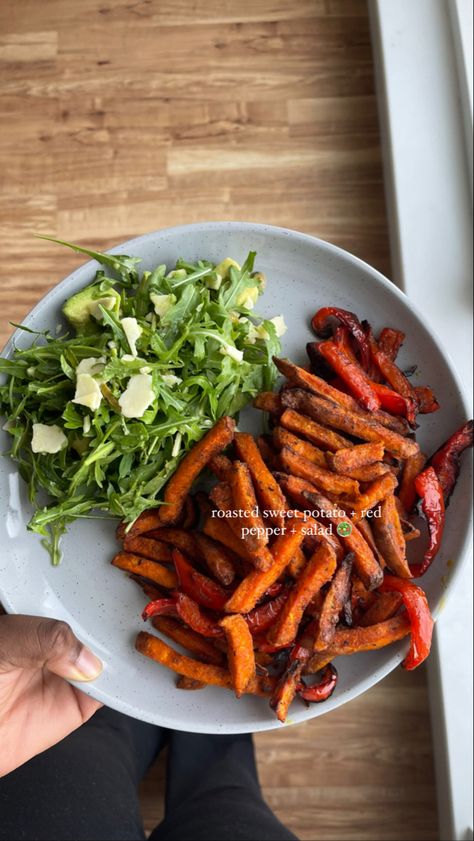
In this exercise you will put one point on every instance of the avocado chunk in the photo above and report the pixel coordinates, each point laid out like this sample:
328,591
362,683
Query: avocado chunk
224,267
84,306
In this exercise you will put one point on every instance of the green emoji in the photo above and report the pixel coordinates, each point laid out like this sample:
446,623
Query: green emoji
344,529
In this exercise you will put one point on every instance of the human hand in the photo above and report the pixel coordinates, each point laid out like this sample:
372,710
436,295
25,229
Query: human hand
37,706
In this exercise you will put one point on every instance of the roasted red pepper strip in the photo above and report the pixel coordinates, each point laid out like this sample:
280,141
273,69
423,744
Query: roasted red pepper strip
187,610
351,373
430,491
446,460
390,342
319,323
389,400
190,612
261,644
393,402
427,402
392,374
322,690
290,682
198,586
159,607
416,603
260,619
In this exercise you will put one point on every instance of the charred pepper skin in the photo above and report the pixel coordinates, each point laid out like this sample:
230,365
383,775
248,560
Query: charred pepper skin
416,604
322,690
429,489
319,323
447,460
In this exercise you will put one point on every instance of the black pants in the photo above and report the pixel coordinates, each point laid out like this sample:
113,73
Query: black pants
85,787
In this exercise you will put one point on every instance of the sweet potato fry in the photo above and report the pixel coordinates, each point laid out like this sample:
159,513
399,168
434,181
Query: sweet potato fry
192,641
159,651
377,491
335,599
357,456
317,572
147,547
220,531
285,690
306,380
351,640
322,479
218,559
189,683
179,538
269,493
177,488
147,521
269,455
386,606
145,568
220,466
366,531
243,495
253,587
361,598
297,563
315,432
221,496
269,402
389,538
348,421
240,655
365,562
413,466
294,487
366,473
255,549
284,438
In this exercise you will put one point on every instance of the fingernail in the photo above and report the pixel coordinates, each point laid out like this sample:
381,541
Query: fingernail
87,666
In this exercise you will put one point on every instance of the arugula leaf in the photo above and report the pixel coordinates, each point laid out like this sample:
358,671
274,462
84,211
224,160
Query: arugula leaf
113,463
124,265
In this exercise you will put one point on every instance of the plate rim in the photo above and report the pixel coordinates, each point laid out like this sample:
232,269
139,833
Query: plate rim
392,662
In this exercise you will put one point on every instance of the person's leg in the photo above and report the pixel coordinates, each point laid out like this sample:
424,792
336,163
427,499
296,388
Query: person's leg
213,792
85,787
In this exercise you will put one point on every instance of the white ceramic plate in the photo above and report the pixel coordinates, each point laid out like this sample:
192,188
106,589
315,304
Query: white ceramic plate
100,603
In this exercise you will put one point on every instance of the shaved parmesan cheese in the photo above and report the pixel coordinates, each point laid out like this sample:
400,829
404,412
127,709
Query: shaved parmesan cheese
133,331
88,392
47,439
91,365
137,397
280,326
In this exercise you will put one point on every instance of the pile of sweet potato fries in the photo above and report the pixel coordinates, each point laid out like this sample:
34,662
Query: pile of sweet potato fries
298,552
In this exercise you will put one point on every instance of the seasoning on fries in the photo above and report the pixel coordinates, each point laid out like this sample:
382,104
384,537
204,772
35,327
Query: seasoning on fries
297,553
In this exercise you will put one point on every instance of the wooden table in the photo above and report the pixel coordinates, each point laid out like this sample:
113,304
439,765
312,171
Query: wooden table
121,117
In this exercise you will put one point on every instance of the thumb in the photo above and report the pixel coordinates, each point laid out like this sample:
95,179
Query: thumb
31,642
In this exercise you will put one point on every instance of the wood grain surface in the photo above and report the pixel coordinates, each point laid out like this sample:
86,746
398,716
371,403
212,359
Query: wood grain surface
122,116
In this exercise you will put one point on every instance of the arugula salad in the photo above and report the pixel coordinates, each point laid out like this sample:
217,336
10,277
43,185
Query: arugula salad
100,415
